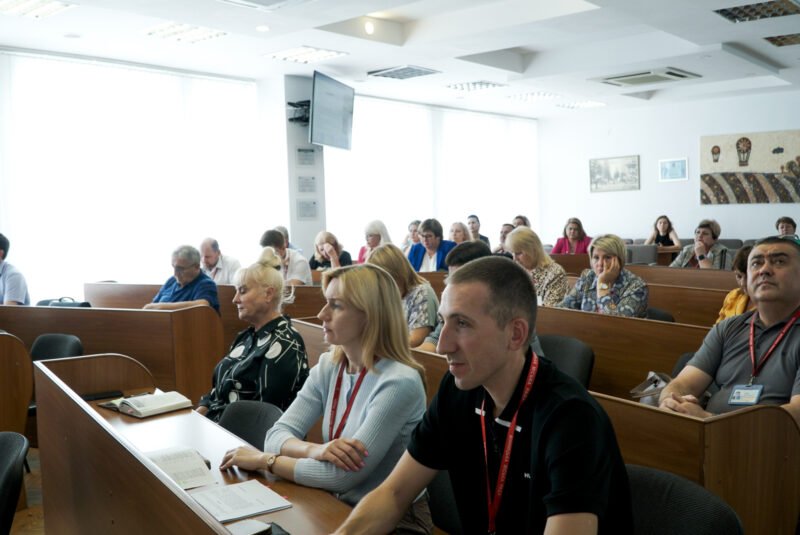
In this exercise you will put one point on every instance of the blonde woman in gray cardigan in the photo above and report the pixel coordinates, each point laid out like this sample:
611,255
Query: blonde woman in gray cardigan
368,390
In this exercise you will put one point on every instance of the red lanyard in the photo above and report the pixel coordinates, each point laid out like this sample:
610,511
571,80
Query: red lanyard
768,354
494,504
335,404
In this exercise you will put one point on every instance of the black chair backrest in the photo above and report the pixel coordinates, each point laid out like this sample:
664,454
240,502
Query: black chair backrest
681,363
62,302
13,448
250,420
664,504
570,355
56,346
443,504
659,314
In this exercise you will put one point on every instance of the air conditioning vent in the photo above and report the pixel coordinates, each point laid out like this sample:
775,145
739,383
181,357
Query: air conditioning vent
402,73
655,76
264,5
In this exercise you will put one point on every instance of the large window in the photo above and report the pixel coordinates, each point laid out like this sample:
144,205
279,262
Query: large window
105,169
414,162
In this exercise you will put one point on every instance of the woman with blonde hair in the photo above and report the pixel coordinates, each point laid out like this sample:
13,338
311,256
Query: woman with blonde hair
549,278
376,235
267,361
368,390
420,304
608,288
328,252
459,232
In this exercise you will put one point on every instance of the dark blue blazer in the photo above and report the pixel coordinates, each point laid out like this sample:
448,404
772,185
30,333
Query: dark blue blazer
417,254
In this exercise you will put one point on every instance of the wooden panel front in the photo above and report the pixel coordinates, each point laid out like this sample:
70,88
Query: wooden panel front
436,280
180,348
712,279
311,331
16,383
695,306
625,349
573,264
308,301
97,479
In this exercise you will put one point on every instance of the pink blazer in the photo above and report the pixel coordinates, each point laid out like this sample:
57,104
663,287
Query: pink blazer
562,246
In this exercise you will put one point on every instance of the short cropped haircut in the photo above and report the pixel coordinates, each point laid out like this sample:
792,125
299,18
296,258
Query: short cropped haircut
214,244
273,238
511,291
431,225
575,221
4,245
187,252
612,244
466,252
779,239
711,225
787,220
473,216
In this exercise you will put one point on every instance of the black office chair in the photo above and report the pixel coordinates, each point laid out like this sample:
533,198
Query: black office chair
250,420
570,355
56,346
681,363
659,315
443,504
13,448
665,504
62,302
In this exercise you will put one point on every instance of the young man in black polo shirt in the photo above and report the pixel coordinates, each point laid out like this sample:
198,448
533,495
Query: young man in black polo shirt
564,472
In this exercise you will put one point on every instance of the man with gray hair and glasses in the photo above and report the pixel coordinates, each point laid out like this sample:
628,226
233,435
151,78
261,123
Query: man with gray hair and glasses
188,287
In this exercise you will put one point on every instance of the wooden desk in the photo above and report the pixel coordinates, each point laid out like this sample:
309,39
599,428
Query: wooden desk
573,264
625,349
667,254
135,296
97,480
308,301
748,457
179,347
712,279
436,280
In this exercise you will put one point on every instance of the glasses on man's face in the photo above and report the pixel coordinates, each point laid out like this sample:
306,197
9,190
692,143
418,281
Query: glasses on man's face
181,269
427,236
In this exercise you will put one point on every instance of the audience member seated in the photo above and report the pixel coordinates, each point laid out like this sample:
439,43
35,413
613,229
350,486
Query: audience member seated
219,267
289,245
574,241
420,304
13,288
786,226
737,301
706,252
376,235
754,358
268,361
412,237
549,278
474,224
663,234
459,233
429,254
368,390
503,410
504,232
188,287
294,266
608,288
521,221
328,253
460,255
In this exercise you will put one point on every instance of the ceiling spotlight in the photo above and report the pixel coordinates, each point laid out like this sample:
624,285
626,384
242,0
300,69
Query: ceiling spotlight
369,27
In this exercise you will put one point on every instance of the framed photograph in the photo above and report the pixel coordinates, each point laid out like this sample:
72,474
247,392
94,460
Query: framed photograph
673,170
614,174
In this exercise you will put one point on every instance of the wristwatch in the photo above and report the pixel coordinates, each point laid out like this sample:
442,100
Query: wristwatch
701,257
271,462
603,286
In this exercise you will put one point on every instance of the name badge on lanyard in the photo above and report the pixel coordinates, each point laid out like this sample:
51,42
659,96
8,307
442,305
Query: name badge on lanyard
746,394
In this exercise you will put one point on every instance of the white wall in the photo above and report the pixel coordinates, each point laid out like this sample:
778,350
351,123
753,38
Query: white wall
654,133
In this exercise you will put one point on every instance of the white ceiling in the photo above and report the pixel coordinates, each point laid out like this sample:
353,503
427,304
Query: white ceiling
558,46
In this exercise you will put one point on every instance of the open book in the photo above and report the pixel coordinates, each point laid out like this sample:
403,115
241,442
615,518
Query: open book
232,502
185,466
145,405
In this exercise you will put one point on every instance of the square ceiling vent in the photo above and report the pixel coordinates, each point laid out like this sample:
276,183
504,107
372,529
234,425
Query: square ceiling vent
402,73
785,40
654,76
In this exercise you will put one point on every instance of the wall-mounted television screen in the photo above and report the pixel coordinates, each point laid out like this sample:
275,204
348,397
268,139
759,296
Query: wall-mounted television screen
331,112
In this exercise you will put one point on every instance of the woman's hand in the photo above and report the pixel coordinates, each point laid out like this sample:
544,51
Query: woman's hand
610,272
246,457
202,409
331,254
346,453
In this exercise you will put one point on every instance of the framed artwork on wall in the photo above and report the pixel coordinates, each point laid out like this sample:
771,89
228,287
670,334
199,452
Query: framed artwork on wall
620,173
673,170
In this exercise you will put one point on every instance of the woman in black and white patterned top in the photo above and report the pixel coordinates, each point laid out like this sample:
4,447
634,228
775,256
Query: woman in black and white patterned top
268,361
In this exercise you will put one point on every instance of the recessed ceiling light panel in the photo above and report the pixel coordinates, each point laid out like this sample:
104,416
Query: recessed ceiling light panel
534,96
762,10
37,9
402,73
306,54
185,33
785,40
471,87
580,104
